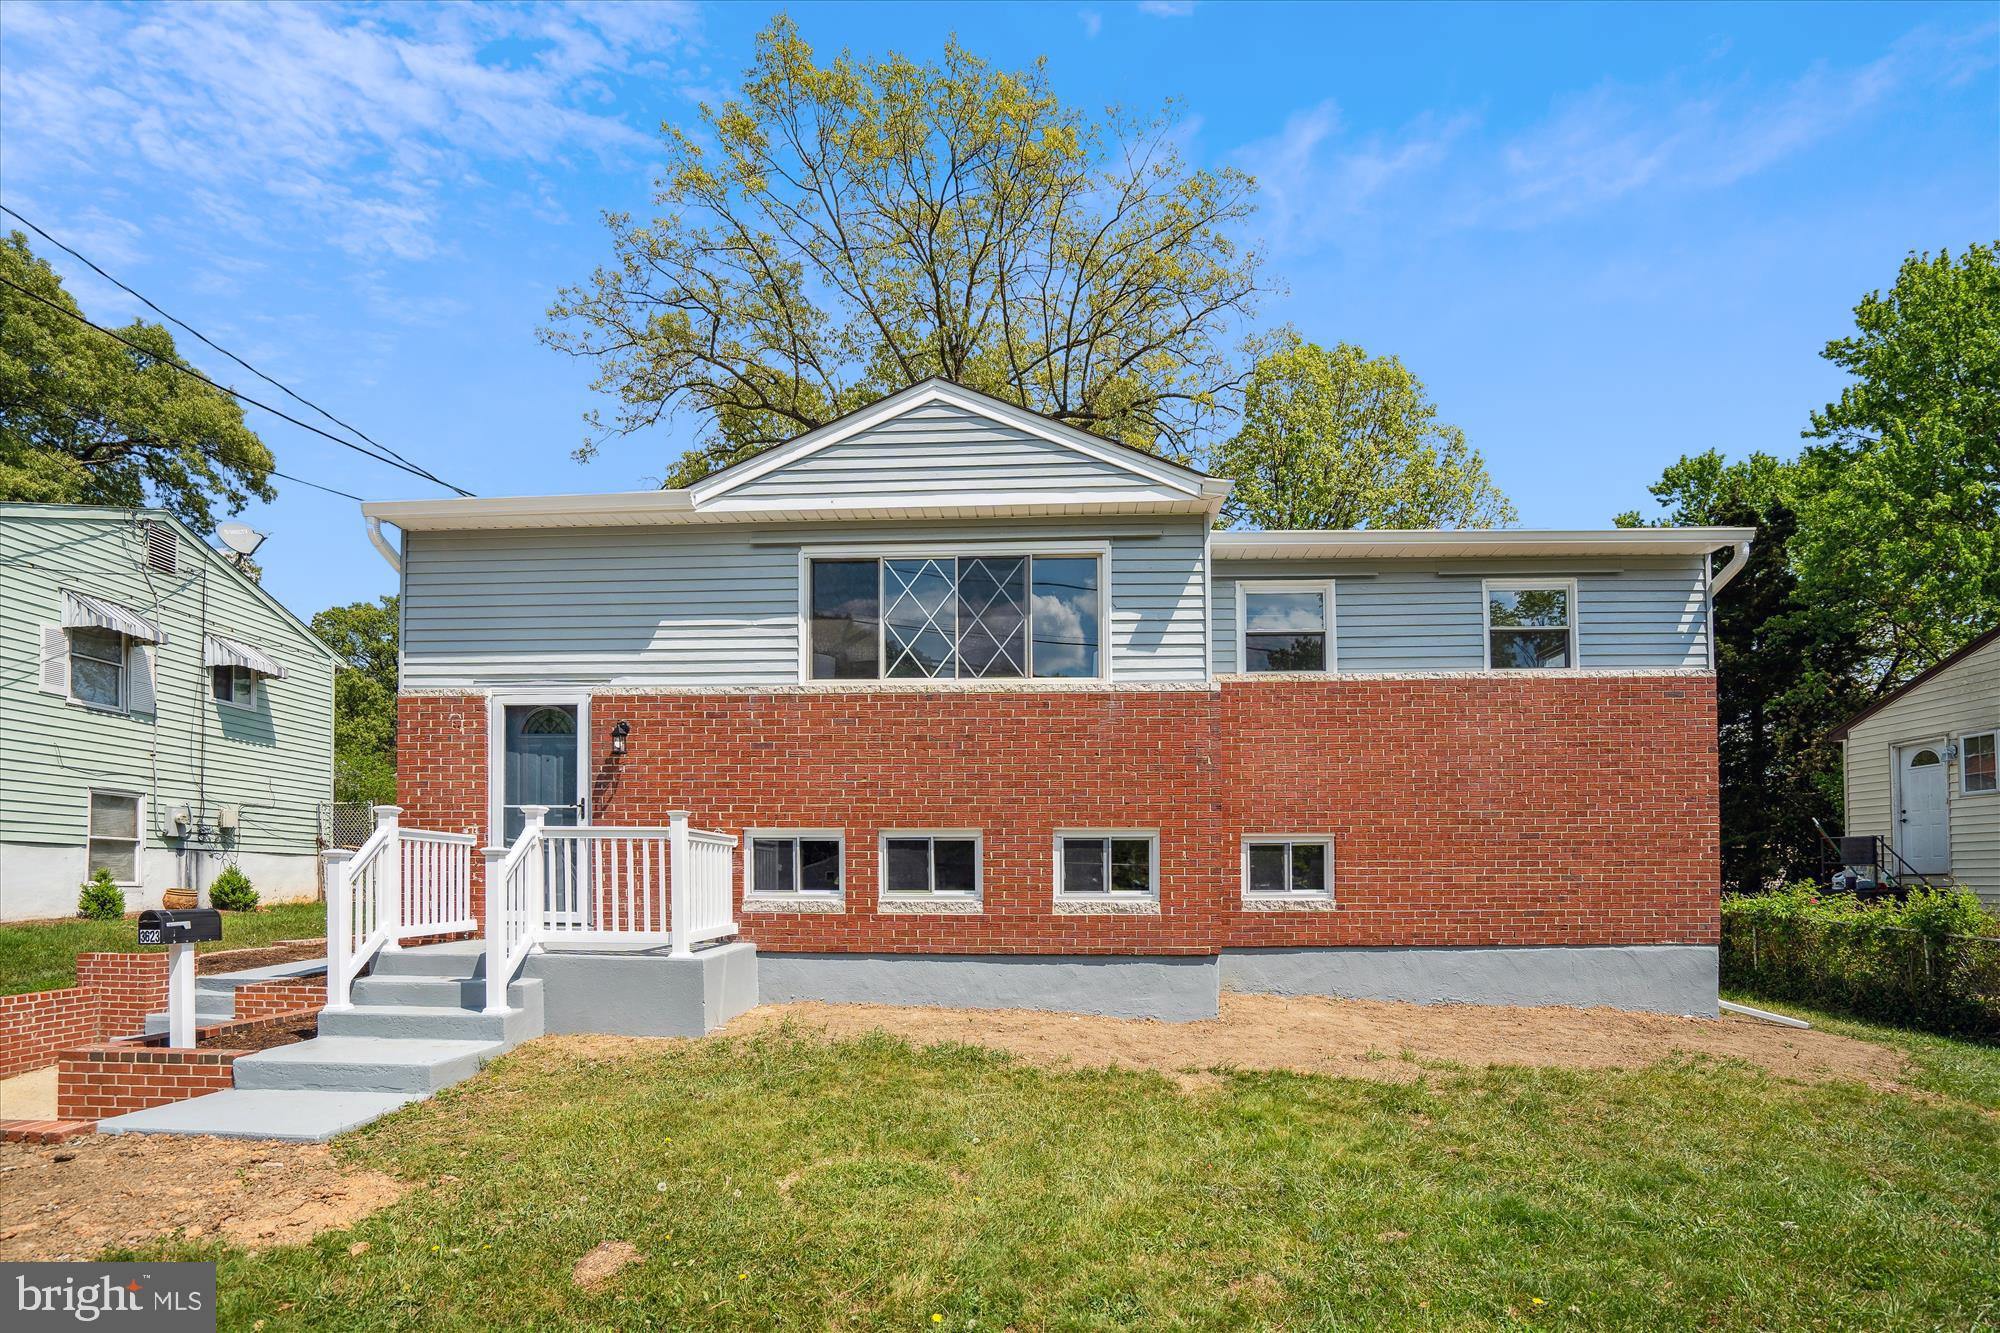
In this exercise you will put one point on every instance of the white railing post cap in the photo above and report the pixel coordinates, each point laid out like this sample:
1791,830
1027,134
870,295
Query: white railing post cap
679,816
337,854
533,812
386,813
493,853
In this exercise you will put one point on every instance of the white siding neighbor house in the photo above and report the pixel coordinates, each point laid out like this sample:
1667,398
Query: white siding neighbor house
1921,770
161,715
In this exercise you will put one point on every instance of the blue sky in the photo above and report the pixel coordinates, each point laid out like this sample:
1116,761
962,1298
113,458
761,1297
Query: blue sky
1603,236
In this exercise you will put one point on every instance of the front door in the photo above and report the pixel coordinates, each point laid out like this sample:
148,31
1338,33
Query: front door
540,767
1923,828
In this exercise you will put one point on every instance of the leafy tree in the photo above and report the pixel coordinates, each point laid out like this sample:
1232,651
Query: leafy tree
1339,439
1899,507
858,226
1787,672
364,698
86,420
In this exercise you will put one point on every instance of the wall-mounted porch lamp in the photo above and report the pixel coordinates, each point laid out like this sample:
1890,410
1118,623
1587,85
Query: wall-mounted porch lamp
618,735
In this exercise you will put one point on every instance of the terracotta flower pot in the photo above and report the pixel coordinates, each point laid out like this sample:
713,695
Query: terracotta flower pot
179,900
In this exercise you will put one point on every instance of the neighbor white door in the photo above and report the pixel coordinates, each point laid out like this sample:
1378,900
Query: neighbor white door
1923,827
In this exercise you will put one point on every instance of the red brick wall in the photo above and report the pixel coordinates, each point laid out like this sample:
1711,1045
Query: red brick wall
100,1081
263,999
128,986
1484,810
441,771
34,1026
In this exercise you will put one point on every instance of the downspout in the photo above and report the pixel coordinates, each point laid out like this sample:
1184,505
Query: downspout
1740,558
395,559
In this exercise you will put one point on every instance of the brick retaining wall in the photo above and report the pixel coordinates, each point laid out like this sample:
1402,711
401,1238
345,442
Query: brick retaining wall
111,1078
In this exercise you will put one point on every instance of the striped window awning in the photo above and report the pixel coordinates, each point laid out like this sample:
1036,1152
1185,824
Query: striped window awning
217,651
82,611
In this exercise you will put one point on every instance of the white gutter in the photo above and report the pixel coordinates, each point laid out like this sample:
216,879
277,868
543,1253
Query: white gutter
381,543
1740,558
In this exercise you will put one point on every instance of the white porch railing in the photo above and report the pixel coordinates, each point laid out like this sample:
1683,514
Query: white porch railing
587,884
399,884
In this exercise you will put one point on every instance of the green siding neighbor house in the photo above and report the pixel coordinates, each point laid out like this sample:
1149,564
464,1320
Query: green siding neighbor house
160,714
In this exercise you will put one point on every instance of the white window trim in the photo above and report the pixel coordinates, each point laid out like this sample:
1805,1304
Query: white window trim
497,704
880,551
1244,587
123,708
1487,587
973,835
138,841
1152,892
795,835
1325,895
1962,738
256,689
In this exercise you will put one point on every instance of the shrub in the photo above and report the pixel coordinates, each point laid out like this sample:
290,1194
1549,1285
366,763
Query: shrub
231,891
101,899
1931,961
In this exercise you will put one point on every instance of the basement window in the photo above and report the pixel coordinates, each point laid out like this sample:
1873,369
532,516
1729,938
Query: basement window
114,835
1296,866
788,863
1093,866
930,865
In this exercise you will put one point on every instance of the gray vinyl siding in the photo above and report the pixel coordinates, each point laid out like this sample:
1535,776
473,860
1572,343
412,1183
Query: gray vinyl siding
940,450
666,606
275,761
1402,616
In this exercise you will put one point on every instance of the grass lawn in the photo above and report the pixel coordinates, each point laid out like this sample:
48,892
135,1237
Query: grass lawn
41,955
782,1181
1945,1065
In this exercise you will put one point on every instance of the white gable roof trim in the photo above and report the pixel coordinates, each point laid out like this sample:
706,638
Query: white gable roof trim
1142,466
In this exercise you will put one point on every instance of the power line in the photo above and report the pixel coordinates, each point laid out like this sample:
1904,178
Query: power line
234,393
76,420
281,387
316,486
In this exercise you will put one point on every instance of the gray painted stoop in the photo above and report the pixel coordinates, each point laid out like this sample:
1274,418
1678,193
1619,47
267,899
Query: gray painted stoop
215,995
416,1026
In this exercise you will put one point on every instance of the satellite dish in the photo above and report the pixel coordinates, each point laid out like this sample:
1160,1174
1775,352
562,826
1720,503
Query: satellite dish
239,537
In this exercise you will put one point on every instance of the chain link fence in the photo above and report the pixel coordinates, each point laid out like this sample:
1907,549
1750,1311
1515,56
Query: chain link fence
345,823
1945,983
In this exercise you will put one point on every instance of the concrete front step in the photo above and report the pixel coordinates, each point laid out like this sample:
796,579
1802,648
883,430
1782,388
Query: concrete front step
205,1015
463,958
365,1064
440,1022
298,1117
434,991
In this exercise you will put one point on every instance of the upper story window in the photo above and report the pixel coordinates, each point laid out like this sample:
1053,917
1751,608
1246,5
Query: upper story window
1530,624
1976,763
234,685
983,617
97,668
1287,625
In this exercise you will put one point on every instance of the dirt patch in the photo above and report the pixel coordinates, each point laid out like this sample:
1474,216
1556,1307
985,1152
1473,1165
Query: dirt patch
1356,1038
602,1264
89,1195
270,955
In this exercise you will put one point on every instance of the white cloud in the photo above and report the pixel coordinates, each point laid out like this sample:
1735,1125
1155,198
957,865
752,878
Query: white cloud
1092,21
1594,148
1167,9
352,123
1613,141
1312,177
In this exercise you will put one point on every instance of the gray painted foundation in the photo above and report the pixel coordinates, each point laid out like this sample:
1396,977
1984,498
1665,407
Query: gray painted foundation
1173,988
645,993
1662,978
